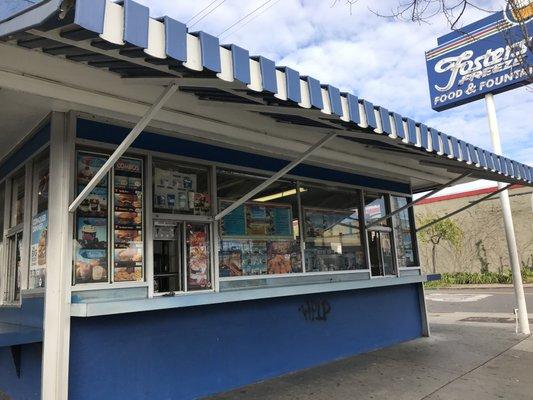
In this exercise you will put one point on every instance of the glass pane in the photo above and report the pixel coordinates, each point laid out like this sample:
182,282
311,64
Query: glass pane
180,189
375,208
403,234
331,229
386,251
261,236
198,257
41,176
17,200
167,263
374,253
91,247
128,215
18,266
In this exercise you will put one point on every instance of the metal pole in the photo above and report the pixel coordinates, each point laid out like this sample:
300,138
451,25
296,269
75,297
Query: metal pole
276,176
414,202
508,222
126,143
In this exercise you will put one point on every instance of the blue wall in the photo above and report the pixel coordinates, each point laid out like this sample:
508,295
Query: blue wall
28,387
192,352
93,130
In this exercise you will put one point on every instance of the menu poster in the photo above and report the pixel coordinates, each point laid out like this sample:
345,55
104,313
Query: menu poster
90,258
127,220
234,223
230,258
254,258
88,165
95,204
253,219
198,257
39,230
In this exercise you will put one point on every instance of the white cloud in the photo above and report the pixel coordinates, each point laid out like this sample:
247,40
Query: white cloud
376,58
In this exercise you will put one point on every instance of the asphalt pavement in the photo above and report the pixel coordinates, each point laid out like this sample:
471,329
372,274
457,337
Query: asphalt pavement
473,353
501,300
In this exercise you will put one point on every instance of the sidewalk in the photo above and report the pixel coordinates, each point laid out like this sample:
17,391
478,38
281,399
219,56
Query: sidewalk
480,286
461,360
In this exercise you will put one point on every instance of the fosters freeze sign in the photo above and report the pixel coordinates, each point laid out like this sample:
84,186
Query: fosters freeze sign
489,56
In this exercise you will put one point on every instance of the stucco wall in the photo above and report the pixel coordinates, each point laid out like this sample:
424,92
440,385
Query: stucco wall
484,236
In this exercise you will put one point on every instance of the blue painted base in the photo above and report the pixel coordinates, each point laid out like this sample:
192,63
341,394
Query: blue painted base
28,387
193,352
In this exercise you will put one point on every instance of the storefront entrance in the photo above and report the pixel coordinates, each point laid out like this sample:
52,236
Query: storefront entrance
380,251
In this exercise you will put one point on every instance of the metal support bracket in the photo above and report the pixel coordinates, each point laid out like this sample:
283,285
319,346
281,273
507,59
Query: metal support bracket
276,176
465,207
414,202
123,147
16,353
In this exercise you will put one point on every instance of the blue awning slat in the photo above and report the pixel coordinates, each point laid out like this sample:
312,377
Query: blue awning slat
315,92
455,147
411,131
210,51
353,108
241,63
175,39
398,124
435,144
89,14
385,120
423,136
464,151
268,74
370,116
445,144
334,95
488,159
292,79
136,23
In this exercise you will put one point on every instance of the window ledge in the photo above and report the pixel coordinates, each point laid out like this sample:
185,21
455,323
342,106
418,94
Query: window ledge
190,300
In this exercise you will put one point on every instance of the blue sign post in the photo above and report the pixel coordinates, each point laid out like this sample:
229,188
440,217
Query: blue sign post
488,56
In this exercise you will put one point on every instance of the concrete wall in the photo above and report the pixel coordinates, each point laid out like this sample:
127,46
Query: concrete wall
484,236
192,352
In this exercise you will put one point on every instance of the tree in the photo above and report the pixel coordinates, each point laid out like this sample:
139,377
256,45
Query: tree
423,11
446,230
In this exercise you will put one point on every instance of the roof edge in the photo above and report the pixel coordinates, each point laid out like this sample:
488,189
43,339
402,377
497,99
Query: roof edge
29,17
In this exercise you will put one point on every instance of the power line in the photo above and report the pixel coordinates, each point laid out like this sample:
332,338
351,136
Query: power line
205,15
201,11
246,16
250,20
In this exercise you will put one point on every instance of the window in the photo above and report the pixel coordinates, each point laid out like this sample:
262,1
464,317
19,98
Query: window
39,223
17,199
109,229
332,230
379,236
403,233
180,189
260,236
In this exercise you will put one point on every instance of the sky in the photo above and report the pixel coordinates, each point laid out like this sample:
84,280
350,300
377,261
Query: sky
379,59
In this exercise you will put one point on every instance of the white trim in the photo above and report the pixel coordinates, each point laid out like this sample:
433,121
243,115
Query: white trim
84,287
194,53
226,65
196,299
294,274
156,39
113,31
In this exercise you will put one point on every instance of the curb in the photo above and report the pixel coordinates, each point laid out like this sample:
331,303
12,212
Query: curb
481,286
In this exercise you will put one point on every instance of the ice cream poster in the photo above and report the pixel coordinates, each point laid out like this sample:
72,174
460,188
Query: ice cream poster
39,230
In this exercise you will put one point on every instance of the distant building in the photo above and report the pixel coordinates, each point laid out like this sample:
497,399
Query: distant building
482,225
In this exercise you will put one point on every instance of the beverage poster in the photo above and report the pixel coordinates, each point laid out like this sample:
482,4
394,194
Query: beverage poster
39,233
254,259
128,220
90,256
198,276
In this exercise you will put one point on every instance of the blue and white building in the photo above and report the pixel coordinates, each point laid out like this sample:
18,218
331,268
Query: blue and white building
181,217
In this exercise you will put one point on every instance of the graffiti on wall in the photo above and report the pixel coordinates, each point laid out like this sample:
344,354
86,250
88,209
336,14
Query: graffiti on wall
315,310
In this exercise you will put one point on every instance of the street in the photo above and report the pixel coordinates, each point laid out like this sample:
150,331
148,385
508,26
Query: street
473,353
500,300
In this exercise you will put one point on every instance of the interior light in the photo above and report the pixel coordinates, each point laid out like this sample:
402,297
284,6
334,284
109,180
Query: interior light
279,195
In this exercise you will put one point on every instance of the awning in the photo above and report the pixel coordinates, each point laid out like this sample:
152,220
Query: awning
123,39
